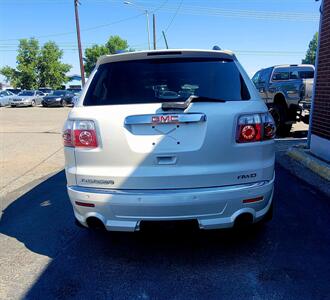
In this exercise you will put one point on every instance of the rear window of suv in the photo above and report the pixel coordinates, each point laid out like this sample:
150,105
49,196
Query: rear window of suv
165,80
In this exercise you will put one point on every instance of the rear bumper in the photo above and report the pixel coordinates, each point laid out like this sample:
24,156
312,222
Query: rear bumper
217,207
21,103
51,103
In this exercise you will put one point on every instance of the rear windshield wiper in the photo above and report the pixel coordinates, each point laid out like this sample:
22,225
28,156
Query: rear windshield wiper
184,105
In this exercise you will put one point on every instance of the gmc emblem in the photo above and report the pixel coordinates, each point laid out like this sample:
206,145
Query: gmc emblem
165,119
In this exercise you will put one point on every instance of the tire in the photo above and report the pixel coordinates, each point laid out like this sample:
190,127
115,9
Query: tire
12,105
279,114
269,215
305,119
266,218
64,103
33,103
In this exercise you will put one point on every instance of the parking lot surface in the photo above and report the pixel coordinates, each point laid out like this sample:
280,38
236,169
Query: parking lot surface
30,146
45,256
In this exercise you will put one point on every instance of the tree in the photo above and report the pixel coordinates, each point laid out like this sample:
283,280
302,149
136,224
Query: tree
91,56
25,75
10,75
312,49
113,45
51,70
116,43
37,67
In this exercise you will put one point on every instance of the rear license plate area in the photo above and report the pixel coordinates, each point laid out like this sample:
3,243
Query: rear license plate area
169,226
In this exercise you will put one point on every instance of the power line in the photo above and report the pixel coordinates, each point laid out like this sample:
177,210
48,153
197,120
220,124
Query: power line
204,11
175,14
82,30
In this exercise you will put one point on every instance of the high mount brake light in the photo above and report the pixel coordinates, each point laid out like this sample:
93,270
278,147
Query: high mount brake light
255,128
80,133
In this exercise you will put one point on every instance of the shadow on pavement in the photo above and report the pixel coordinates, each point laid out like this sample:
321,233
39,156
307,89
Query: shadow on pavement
288,257
42,218
298,134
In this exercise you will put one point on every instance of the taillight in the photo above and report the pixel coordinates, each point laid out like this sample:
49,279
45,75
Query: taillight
268,126
80,133
67,134
255,128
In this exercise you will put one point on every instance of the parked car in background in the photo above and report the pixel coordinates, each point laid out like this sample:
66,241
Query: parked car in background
75,99
59,98
202,151
76,91
14,91
27,98
287,91
5,97
46,91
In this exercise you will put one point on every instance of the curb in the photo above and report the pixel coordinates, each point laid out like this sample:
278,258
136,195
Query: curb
316,165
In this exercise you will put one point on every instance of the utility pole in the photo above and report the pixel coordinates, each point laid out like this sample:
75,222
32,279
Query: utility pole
82,71
154,29
165,39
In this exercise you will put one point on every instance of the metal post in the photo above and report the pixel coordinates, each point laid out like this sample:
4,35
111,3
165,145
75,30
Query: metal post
154,29
148,30
165,39
309,136
82,71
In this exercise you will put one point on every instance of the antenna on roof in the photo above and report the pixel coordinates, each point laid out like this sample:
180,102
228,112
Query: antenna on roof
165,39
216,47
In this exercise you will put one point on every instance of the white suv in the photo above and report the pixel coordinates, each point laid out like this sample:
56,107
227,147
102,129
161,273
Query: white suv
169,135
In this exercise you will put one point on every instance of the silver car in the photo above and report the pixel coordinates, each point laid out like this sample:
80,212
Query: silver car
27,98
5,97
169,135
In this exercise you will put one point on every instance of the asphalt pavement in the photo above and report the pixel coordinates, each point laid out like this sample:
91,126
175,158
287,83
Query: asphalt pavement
288,258
30,147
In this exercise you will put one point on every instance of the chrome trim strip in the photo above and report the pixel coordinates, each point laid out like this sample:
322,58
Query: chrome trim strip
165,118
227,188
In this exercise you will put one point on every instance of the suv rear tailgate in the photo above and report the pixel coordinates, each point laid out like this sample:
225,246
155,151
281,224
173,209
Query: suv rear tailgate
171,156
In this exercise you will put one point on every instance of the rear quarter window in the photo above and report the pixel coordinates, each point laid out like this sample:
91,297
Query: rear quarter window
306,74
161,80
280,76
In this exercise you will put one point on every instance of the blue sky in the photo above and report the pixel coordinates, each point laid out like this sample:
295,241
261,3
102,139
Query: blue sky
261,32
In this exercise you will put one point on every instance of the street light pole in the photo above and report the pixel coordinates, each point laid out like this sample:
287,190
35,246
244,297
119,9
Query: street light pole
148,30
82,71
154,30
146,12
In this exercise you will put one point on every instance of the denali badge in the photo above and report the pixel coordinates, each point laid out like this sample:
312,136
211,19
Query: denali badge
164,119
97,181
247,176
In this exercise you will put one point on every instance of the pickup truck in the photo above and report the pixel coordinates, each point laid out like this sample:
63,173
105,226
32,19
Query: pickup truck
287,91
